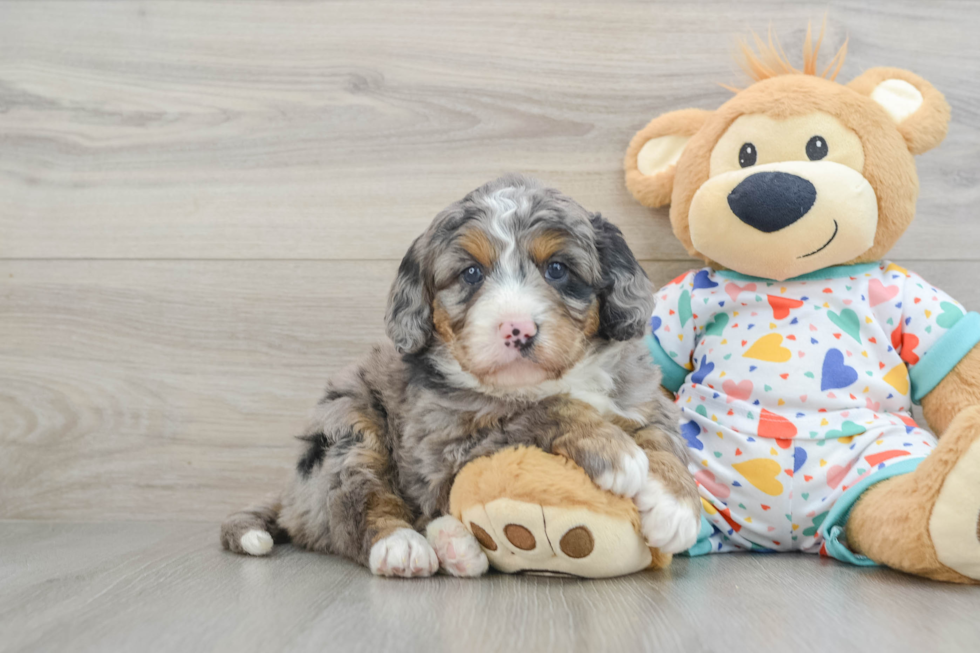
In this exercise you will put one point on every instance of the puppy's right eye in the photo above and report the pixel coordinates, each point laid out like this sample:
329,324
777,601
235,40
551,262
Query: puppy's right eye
473,275
556,271
747,155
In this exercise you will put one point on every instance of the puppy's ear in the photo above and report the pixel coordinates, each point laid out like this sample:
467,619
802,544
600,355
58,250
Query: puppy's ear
626,296
655,150
917,108
408,319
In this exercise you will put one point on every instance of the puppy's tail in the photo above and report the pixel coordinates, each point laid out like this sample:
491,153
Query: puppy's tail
253,530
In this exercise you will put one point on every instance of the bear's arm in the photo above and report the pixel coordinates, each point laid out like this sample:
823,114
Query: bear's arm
673,332
958,390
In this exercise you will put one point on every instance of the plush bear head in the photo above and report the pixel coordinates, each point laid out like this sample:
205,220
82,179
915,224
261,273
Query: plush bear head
796,172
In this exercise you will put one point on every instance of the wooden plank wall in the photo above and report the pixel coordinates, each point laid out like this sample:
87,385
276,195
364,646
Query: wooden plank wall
202,203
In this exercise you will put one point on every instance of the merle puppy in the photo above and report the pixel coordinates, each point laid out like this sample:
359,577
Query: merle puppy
515,319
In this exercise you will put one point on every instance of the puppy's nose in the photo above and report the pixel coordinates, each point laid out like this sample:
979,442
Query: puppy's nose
770,201
517,333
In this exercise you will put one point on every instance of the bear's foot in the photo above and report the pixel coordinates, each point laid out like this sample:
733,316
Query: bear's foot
536,512
928,522
955,522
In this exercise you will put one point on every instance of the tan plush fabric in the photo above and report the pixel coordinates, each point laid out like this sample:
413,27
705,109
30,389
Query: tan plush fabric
955,393
891,523
888,148
655,190
533,511
926,128
531,475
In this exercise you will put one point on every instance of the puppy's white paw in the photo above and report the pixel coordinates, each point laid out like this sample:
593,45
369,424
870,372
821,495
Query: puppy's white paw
256,542
629,478
458,551
404,553
667,524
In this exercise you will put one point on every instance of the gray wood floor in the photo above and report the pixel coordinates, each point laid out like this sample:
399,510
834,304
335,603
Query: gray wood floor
165,587
201,207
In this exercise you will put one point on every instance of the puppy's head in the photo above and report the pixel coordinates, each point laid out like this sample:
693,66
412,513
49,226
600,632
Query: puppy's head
517,282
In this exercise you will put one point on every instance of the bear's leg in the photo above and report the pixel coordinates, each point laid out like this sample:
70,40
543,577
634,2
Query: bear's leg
534,511
928,522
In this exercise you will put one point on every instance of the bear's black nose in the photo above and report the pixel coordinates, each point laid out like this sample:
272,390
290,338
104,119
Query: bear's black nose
770,201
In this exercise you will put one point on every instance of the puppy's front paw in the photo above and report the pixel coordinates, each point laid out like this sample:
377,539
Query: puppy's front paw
256,542
404,553
667,523
458,551
626,475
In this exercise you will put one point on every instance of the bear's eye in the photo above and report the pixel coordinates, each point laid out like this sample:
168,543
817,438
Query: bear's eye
747,155
816,148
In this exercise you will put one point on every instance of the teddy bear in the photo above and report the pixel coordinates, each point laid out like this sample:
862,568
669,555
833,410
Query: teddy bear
795,354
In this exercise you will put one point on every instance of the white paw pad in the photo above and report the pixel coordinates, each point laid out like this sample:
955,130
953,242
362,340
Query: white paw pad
458,551
629,478
404,553
256,542
667,524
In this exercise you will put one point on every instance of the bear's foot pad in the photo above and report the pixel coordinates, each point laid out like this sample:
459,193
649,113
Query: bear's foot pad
955,522
519,536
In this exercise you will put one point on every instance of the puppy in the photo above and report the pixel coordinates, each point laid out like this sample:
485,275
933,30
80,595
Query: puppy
515,319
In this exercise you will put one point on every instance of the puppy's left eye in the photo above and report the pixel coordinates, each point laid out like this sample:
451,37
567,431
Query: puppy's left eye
472,275
816,148
556,271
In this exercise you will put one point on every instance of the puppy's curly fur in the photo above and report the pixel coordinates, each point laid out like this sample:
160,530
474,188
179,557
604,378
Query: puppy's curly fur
391,433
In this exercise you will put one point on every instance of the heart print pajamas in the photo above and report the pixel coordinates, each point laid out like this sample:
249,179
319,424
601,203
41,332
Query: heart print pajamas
796,396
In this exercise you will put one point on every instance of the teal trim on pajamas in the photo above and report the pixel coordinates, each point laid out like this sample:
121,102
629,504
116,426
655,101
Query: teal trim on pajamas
833,526
674,374
703,545
943,356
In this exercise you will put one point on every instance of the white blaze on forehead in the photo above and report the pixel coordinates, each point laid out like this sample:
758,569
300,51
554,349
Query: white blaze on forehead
513,297
507,294
504,208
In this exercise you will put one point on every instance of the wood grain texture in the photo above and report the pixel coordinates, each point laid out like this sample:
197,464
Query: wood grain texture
169,587
329,130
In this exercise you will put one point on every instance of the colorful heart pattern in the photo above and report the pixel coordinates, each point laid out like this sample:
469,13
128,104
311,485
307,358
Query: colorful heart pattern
706,479
879,293
769,348
848,322
761,473
740,391
781,306
717,326
950,316
775,426
703,371
796,390
733,290
835,372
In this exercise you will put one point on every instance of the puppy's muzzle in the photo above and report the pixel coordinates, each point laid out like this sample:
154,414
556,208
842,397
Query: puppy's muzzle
770,201
518,333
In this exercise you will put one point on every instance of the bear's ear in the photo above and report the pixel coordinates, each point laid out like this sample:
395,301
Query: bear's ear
654,151
918,109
